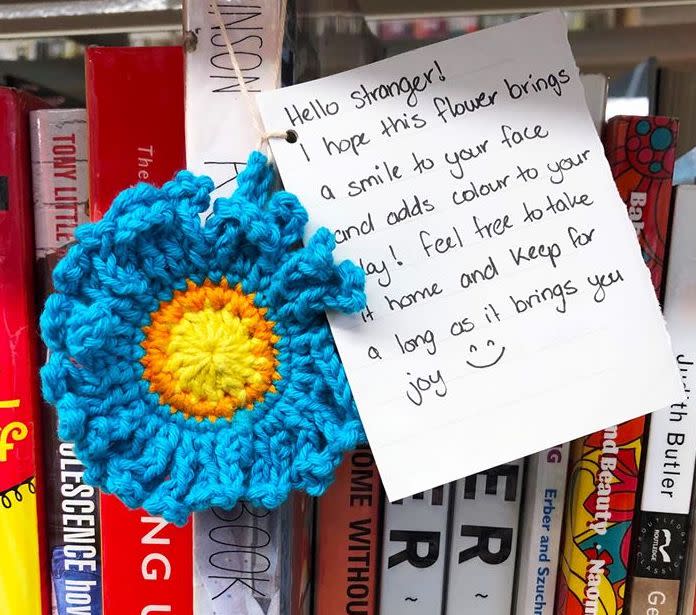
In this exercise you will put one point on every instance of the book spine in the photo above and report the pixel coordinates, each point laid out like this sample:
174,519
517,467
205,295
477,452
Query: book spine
220,129
663,528
687,600
414,552
23,580
599,512
220,135
596,88
641,152
604,466
60,190
255,561
299,571
540,537
483,547
136,119
348,538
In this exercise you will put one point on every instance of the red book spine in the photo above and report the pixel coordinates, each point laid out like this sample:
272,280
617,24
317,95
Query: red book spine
348,538
605,466
24,586
135,106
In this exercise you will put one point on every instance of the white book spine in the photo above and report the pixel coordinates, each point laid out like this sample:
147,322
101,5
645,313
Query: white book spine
671,451
236,565
596,88
414,553
59,176
221,131
61,203
661,553
540,534
483,546
242,558
251,561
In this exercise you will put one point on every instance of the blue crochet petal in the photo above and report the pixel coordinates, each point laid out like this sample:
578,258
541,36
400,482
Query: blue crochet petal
290,217
71,274
54,319
148,237
244,241
255,182
309,282
250,233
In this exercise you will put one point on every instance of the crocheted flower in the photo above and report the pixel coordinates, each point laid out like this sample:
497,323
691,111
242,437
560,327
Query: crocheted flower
191,362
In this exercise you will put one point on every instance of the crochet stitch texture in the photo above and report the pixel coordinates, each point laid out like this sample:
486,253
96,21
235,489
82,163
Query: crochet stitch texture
191,362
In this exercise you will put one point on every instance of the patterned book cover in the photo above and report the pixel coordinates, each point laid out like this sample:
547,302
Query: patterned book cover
61,202
598,520
414,553
662,530
540,535
348,538
483,544
136,133
605,465
641,152
24,585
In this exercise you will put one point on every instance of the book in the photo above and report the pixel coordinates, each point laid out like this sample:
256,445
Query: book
600,504
662,527
596,87
348,538
676,97
641,153
23,580
540,532
299,570
136,120
414,553
604,466
61,203
483,544
220,135
257,561
220,129
687,600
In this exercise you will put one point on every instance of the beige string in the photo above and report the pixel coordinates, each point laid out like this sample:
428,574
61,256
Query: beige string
246,95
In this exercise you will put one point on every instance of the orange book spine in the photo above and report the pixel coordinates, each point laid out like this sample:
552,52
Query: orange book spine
348,538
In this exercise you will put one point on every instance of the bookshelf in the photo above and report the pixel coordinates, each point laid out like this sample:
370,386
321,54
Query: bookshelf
71,17
628,32
663,30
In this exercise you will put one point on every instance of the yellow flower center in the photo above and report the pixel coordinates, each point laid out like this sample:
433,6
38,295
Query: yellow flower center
210,351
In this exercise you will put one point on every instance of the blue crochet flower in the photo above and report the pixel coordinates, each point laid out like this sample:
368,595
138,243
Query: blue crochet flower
190,362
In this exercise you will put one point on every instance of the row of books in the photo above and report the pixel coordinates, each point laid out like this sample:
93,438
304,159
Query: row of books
558,533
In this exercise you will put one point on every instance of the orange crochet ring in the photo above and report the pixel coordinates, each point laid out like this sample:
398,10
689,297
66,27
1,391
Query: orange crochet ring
210,351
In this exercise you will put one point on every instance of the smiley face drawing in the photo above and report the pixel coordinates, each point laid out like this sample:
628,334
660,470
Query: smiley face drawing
474,354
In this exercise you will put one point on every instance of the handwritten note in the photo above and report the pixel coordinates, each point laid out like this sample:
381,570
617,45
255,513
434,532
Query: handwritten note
509,308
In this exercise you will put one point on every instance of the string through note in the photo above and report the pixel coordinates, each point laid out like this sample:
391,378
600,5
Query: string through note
264,135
